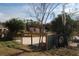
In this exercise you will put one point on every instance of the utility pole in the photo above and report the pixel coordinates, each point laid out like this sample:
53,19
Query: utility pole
63,14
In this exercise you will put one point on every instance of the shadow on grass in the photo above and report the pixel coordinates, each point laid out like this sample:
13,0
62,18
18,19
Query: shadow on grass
37,47
33,48
17,54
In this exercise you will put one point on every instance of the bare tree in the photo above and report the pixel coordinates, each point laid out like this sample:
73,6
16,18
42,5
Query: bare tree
42,12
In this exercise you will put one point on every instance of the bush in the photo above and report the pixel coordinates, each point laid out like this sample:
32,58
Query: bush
14,25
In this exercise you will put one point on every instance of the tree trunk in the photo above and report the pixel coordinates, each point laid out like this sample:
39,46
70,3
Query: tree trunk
39,39
31,40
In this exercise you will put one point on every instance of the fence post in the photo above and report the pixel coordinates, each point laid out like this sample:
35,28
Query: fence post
31,40
46,42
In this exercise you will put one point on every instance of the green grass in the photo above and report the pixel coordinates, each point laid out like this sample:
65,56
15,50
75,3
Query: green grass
10,44
9,47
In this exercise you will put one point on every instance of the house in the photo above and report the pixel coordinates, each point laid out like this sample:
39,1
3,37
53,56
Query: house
3,31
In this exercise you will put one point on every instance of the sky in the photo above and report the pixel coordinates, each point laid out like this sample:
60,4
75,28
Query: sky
21,10
9,10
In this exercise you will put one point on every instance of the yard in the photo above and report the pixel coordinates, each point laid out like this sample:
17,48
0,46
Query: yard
11,48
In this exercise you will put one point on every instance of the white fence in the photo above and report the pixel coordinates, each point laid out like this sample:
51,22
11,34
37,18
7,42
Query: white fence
27,40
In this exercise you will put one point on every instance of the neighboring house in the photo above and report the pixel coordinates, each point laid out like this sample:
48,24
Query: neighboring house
36,29
33,29
3,31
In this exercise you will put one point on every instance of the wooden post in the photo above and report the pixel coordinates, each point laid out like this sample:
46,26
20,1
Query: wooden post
21,40
39,39
42,39
31,40
46,41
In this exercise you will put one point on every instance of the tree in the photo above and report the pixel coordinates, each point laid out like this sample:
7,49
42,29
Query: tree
60,29
14,25
42,12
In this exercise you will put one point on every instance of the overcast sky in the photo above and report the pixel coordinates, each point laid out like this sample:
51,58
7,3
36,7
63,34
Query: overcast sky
20,10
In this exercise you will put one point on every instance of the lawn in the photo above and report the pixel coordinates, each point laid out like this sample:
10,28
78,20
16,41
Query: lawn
11,48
